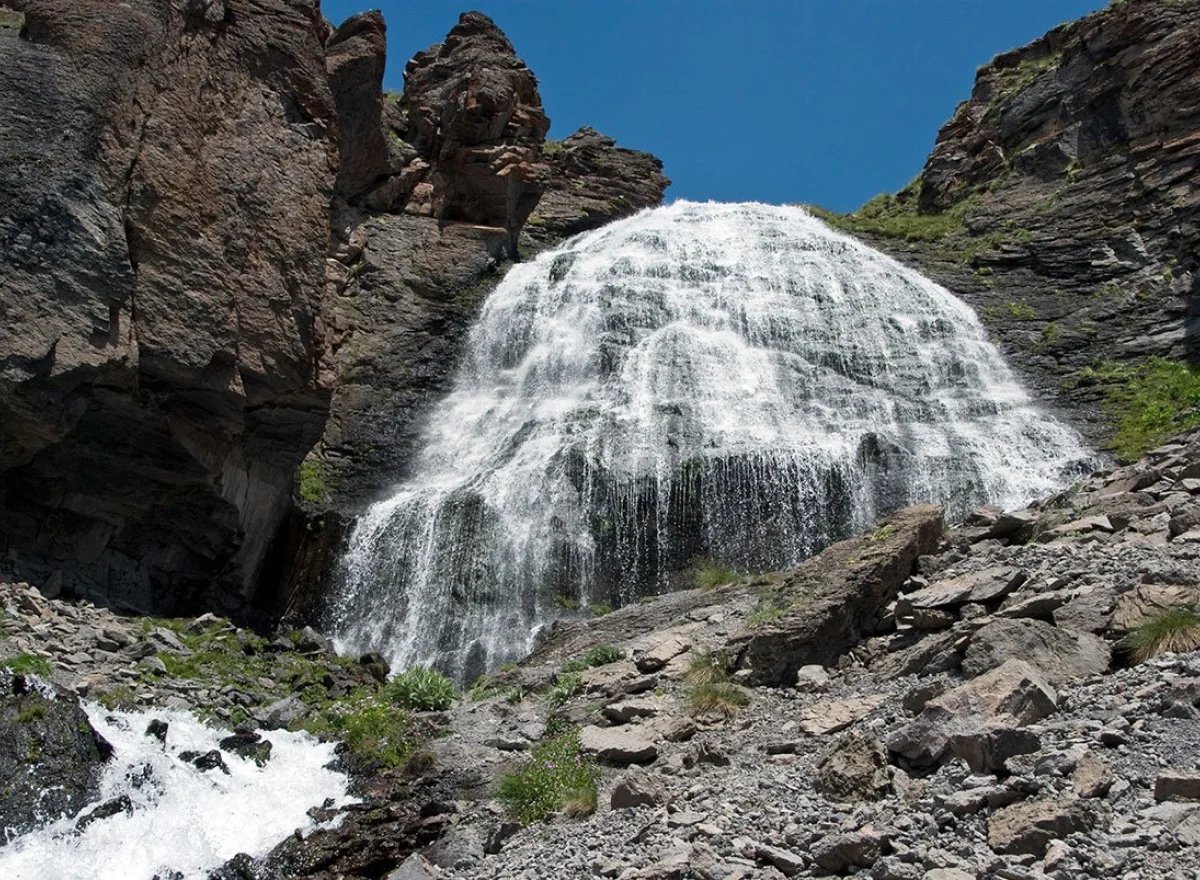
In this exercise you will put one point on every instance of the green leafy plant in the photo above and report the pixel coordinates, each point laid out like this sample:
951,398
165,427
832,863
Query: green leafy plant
422,689
313,488
1149,402
558,776
28,664
564,688
371,729
1173,629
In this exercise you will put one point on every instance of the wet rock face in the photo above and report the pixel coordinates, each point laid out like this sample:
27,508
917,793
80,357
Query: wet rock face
162,256
50,756
1073,163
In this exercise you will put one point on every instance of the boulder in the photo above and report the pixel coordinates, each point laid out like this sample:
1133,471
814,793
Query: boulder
661,652
1147,600
1092,777
617,746
852,768
830,716
1014,693
51,757
1028,828
988,750
847,851
638,789
629,710
989,585
845,588
1060,655
1177,785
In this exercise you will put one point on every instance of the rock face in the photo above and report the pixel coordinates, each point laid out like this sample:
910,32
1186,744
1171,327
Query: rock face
50,757
162,255
1070,171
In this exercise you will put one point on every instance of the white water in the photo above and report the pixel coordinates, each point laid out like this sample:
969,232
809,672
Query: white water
734,381
184,819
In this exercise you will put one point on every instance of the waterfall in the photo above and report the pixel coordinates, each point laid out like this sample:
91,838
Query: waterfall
728,381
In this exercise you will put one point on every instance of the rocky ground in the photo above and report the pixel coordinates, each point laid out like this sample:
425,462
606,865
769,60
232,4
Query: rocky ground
920,703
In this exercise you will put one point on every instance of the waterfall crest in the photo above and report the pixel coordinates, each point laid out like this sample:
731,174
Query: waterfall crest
730,381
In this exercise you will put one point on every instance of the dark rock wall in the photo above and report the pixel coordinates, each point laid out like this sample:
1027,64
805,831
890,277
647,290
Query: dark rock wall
1074,167
166,170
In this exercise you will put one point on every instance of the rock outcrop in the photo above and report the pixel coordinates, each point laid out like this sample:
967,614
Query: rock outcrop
166,171
1060,200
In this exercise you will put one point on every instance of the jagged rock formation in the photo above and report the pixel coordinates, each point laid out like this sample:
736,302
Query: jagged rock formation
593,182
166,171
1063,199
234,226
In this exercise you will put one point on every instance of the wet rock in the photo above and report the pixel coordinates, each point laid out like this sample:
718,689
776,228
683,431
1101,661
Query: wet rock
157,729
120,804
248,744
205,761
51,758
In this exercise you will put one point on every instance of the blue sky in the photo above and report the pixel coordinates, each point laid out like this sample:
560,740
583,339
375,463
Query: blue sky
823,101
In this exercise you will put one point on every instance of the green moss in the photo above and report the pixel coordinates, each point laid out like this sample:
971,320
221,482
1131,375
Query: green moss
599,609
311,481
28,664
557,776
601,655
120,697
552,147
898,216
536,219
11,19
33,712
1149,402
1020,309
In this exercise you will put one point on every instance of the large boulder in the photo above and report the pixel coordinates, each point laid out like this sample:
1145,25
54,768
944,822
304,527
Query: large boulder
1028,828
1060,655
51,757
833,600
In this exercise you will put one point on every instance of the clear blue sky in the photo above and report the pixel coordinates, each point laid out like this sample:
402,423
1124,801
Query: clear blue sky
823,101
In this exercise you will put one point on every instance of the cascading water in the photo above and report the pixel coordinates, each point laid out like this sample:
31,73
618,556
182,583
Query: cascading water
736,381
181,822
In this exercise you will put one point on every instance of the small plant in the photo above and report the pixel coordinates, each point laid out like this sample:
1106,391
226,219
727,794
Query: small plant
765,610
34,712
371,730
120,697
564,688
717,698
601,655
557,777
599,609
422,689
710,574
1020,310
28,664
312,481
1173,629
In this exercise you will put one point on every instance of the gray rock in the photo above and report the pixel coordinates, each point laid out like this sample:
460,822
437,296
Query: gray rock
415,867
659,654
988,750
1028,828
843,852
638,789
1177,785
1060,655
617,746
853,768
282,713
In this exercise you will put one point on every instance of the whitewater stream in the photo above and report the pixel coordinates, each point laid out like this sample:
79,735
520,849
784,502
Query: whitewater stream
184,822
734,382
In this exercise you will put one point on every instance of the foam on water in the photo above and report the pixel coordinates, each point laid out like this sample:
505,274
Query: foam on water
701,380
184,820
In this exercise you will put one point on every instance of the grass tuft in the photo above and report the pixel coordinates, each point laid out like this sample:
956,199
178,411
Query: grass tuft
1173,630
557,777
718,698
601,655
710,574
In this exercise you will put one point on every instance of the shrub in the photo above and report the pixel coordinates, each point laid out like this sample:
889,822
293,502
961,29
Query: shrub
1173,629
557,776
28,664
312,481
370,729
710,574
422,689
708,667
1149,402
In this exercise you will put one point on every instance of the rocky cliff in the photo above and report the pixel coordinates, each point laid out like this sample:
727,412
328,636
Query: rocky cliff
223,244
1061,200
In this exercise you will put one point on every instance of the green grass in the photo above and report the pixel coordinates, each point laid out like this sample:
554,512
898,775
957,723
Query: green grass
896,216
371,729
312,484
565,687
34,712
28,664
1020,309
1148,402
717,698
766,609
710,574
557,777
599,609
708,667
422,689
601,655
1174,629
